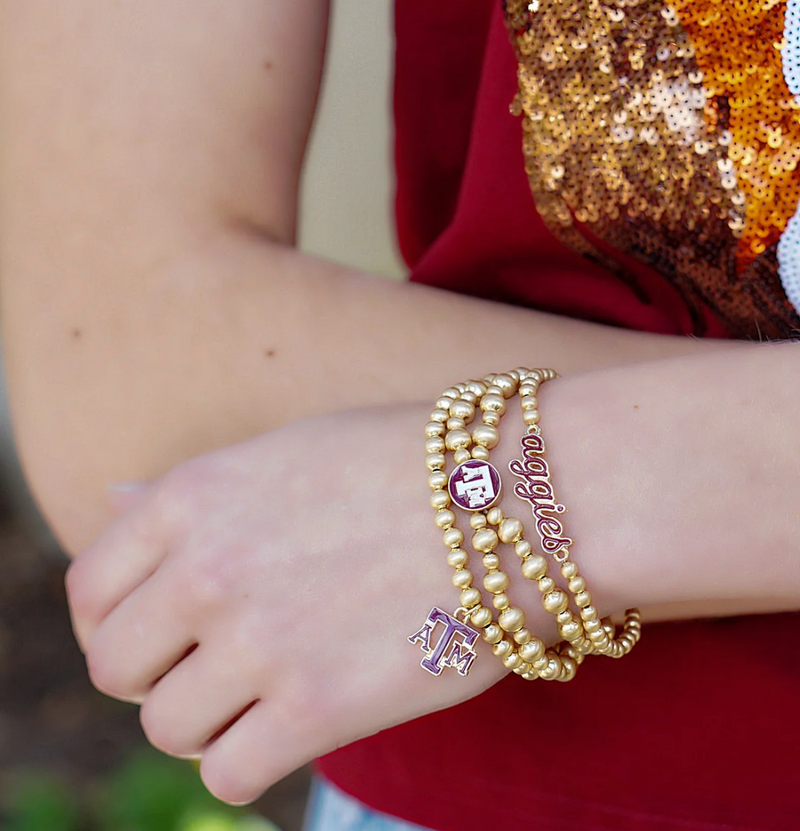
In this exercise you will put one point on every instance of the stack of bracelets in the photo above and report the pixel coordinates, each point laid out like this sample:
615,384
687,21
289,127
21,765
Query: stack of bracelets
474,485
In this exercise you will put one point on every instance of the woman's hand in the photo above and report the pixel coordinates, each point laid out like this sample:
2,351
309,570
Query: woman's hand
275,582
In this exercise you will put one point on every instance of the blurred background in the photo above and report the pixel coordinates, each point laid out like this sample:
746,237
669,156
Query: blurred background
70,759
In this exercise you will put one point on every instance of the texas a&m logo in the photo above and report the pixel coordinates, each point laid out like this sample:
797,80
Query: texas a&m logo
474,485
447,651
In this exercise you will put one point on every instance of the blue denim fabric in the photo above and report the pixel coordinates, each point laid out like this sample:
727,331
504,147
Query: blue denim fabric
331,810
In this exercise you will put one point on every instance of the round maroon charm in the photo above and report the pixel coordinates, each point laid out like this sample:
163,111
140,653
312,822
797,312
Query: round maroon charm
474,485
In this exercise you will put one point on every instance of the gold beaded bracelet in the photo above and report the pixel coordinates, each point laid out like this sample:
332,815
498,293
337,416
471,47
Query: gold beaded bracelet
475,486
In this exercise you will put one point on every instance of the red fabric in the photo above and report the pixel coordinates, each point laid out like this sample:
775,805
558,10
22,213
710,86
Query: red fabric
695,730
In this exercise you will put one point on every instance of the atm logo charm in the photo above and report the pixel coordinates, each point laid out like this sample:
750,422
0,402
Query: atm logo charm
453,648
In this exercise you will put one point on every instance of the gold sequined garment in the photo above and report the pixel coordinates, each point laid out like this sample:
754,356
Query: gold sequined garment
671,133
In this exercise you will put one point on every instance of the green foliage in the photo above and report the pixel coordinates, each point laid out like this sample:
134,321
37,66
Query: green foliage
149,792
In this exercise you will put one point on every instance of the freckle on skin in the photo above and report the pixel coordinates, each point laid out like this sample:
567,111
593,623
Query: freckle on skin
77,334
268,65
635,406
269,353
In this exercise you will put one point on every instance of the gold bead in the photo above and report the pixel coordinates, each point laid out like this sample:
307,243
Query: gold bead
480,453
491,403
444,402
500,602
434,429
522,636
523,548
452,537
533,650
477,388
491,562
503,648
553,669
531,417
583,599
482,616
564,617
437,480
457,558
495,516
445,519
609,627
457,440
462,579
440,414
470,598
534,567
529,402
486,436
463,410
495,582
593,625
546,584
506,383
571,631
492,633
569,570
477,521
435,461
461,456
535,376
485,540
440,499
555,601
492,419
568,669
577,585
512,619
512,661
493,389
455,424
452,393
589,613
434,445
510,530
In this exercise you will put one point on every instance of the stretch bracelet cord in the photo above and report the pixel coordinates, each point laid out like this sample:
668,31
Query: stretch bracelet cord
475,486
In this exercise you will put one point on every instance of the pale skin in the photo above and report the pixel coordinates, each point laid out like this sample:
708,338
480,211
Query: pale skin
148,177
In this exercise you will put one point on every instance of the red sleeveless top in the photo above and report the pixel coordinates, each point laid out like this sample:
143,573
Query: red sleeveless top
696,729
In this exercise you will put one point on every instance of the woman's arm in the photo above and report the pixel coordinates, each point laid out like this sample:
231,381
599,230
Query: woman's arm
153,305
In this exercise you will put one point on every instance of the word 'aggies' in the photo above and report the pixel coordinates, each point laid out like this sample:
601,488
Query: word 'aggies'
448,652
536,488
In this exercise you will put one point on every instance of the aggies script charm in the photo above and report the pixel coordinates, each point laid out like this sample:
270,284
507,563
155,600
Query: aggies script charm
447,651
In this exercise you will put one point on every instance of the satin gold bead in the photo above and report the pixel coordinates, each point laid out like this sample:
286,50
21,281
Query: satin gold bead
493,389
445,519
583,599
534,567
571,631
577,585
507,384
434,445
512,661
569,669
530,676
522,636
535,376
523,548
552,670
492,633
452,393
555,601
461,456
440,414
491,418
470,598
480,453
512,619
491,562
463,410
455,423
440,499
435,461
444,403
529,402
549,374
569,570
527,389
477,521
495,516
477,388
437,480
584,647
564,617
531,417
495,582
486,436
452,537
469,397
503,648
485,540
510,530
546,585
482,616
541,663
457,440
493,404
434,429
593,625
589,613
500,602
462,579
457,558
609,627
